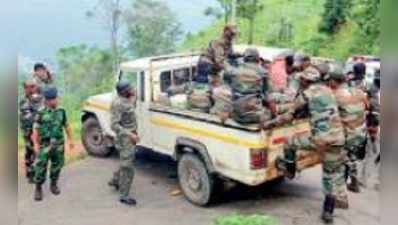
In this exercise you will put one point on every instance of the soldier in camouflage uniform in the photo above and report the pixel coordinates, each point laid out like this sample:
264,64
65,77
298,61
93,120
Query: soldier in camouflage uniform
124,124
42,76
28,107
213,59
48,138
247,81
352,103
326,136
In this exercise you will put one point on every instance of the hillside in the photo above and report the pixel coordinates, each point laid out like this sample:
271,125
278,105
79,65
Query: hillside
293,24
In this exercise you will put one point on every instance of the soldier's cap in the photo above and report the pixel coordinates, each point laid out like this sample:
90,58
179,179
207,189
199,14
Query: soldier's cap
251,52
309,75
39,66
50,92
123,86
336,72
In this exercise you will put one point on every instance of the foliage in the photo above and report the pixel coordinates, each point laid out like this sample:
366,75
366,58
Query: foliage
225,12
246,220
248,9
295,24
83,71
152,28
334,15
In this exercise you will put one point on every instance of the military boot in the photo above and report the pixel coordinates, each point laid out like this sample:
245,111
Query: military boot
328,209
38,193
353,186
342,203
54,188
287,167
29,175
128,201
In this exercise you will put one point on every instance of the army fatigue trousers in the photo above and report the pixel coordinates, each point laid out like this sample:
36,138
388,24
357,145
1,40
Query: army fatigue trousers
53,153
125,174
29,153
333,169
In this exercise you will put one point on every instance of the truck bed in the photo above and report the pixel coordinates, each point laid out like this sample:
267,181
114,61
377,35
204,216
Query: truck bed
205,117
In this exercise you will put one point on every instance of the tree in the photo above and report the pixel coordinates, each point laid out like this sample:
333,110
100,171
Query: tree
334,15
226,10
366,15
152,28
249,9
110,12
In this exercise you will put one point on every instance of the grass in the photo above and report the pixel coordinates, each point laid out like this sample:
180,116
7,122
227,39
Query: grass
246,220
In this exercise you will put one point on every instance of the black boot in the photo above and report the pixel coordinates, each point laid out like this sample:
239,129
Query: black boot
287,167
38,193
54,188
353,186
128,201
328,209
30,175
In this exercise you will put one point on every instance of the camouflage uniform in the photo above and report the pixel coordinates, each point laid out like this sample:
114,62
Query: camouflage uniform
327,133
247,82
50,124
222,98
28,108
212,60
352,104
199,97
124,123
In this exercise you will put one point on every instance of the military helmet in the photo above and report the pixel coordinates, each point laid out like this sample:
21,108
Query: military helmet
300,58
323,68
251,52
123,86
233,29
336,72
50,92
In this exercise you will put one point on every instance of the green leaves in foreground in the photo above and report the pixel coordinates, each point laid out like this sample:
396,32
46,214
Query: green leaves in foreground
246,220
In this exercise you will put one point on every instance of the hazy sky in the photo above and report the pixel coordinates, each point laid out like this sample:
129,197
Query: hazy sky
39,27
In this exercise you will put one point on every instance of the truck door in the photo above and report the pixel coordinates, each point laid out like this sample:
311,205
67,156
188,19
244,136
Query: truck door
143,116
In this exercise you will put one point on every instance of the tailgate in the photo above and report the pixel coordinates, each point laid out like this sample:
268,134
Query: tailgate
278,137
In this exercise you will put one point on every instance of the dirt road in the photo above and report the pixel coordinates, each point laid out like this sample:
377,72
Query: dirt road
87,200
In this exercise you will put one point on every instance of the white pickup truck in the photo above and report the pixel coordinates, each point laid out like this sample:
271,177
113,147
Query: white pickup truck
206,150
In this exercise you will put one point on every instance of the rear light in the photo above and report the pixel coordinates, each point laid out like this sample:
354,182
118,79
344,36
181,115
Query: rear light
258,158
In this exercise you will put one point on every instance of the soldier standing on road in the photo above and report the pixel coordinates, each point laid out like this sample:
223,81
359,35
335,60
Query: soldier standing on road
48,138
28,108
326,136
42,76
352,104
124,124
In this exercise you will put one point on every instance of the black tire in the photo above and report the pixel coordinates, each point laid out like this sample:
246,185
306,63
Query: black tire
195,181
93,138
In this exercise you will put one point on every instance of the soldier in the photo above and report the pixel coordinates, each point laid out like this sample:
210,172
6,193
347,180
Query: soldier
212,60
248,82
326,136
124,124
42,76
221,96
352,103
48,139
28,107
357,78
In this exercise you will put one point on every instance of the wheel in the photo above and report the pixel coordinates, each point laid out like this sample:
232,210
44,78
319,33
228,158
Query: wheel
195,181
93,139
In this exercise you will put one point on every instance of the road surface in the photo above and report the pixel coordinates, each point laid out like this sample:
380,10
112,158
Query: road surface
87,200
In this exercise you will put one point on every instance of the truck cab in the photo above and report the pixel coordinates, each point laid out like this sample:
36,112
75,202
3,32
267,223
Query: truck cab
207,150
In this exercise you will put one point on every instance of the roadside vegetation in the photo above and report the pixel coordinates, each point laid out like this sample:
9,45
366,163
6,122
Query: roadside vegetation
246,220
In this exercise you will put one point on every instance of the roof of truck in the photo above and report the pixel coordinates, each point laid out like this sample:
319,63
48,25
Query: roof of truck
268,53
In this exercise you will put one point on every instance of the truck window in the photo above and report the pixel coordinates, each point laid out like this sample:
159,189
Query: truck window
165,80
181,76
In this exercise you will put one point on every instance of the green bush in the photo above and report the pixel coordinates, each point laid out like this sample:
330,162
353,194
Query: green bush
246,220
